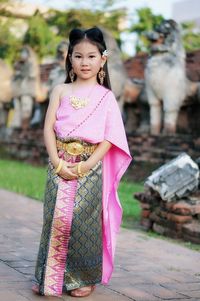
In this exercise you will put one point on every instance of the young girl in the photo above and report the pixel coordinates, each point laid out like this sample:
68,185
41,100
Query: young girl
88,151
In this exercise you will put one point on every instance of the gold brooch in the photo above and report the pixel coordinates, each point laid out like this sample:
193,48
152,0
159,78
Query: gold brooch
78,102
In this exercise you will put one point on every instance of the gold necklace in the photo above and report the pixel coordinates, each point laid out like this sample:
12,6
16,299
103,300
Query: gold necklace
80,102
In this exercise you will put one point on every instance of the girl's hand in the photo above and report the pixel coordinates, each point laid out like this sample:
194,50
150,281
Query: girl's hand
68,171
84,168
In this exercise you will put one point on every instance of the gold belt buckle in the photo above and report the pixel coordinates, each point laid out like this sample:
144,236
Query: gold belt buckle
74,148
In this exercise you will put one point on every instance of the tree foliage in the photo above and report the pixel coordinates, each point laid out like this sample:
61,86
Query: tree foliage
96,5
65,21
45,31
145,21
190,36
40,36
9,43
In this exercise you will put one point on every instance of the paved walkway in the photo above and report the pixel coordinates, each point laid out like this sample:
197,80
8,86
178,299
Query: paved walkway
146,269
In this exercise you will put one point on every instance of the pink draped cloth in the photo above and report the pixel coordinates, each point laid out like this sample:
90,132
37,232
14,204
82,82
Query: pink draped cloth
94,123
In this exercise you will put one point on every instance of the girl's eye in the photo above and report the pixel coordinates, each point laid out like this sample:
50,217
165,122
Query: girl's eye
91,56
77,56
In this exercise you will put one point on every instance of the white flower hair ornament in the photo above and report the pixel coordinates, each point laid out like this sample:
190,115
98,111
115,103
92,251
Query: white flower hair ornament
105,53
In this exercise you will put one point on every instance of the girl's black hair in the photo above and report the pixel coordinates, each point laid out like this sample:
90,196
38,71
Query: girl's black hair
93,35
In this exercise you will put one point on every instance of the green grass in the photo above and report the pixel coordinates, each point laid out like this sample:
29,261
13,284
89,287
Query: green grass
30,180
131,207
22,178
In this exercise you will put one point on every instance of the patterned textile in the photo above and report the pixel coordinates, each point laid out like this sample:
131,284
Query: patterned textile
70,255
84,264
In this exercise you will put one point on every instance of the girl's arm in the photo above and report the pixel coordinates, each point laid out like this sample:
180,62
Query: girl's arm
98,155
49,135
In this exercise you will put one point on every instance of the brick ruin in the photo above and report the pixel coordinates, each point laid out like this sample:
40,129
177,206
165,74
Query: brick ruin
171,201
177,219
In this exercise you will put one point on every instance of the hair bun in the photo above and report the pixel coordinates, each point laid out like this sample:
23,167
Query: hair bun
96,33
76,34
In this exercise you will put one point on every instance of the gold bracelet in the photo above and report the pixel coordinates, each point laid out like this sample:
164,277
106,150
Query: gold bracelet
80,174
59,166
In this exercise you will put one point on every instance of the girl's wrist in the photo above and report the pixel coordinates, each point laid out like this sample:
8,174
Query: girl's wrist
59,167
82,168
55,162
85,167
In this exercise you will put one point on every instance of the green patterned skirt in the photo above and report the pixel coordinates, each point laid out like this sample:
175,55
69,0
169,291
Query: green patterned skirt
70,251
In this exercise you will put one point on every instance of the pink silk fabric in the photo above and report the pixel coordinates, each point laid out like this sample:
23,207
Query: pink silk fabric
105,123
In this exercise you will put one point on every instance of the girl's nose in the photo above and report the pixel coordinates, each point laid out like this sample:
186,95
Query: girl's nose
84,61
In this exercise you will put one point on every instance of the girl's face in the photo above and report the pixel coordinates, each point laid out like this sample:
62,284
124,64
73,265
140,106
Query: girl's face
86,60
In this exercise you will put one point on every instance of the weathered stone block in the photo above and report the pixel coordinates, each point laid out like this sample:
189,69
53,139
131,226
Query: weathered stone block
184,207
179,218
193,239
192,229
166,231
175,179
156,217
145,213
145,206
158,228
181,207
146,223
148,197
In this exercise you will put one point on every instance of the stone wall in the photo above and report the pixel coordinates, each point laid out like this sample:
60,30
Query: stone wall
28,145
25,145
176,219
160,149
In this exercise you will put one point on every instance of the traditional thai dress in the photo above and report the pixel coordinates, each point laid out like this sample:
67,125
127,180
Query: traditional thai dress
82,216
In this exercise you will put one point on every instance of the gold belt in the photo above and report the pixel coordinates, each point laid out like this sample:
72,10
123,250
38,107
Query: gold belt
75,148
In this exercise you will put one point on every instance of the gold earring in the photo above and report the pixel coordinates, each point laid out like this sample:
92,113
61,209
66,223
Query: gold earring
101,75
71,75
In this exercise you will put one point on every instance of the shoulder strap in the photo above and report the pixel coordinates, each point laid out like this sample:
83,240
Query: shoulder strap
90,114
